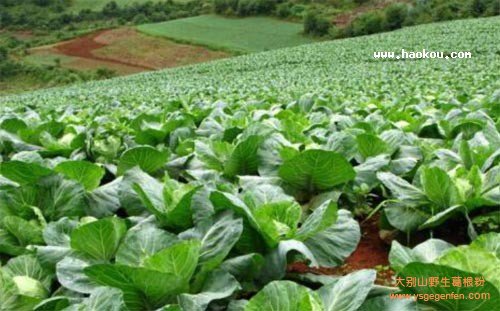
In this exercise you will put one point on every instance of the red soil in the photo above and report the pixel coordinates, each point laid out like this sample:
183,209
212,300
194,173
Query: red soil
371,252
127,51
84,46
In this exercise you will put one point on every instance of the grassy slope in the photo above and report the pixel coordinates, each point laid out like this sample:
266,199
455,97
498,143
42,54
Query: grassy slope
251,34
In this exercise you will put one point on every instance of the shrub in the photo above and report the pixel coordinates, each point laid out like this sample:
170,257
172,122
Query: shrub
5,19
448,11
395,15
418,15
365,24
225,6
254,7
9,69
158,17
478,7
110,9
297,10
3,54
246,7
334,32
43,2
315,24
219,6
104,73
140,19
283,10
493,9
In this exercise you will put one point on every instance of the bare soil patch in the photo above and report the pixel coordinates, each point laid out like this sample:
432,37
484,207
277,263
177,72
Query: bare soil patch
139,49
127,51
85,46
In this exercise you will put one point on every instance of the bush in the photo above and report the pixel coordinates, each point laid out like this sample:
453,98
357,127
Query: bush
418,15
140,19
9,69
104,73
493,9
478,7
224,6
283,10
159,17
297,10
244,7
5,19
43,2
110,9
365,24
3,54
447,11
395,15
315,24
335,33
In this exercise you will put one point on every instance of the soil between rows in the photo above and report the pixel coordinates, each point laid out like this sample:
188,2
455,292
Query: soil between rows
371,253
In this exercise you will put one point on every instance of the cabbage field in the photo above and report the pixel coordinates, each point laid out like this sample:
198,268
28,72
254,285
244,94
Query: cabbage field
243,184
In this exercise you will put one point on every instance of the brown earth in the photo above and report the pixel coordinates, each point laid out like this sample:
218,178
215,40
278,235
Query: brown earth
85,46
126,51
371,253
142,50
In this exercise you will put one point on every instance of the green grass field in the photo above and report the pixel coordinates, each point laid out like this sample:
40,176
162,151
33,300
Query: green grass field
251,34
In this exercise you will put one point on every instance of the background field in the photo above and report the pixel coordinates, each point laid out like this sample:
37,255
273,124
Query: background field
251,34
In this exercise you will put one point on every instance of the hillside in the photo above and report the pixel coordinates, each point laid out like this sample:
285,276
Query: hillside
55,42
310,178
287,74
